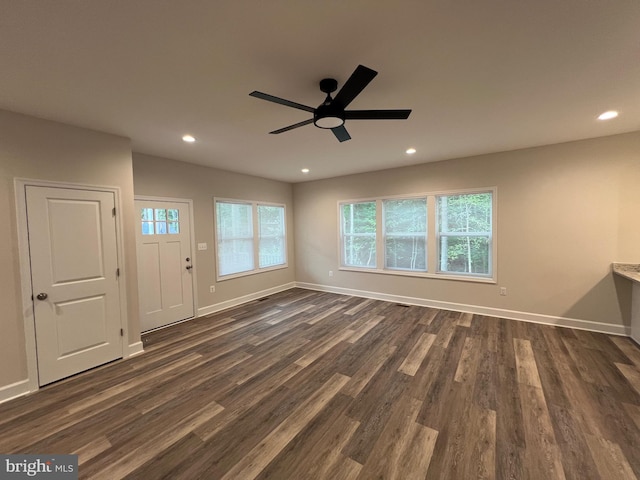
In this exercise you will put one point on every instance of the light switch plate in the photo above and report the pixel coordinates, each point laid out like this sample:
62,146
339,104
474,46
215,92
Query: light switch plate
202,246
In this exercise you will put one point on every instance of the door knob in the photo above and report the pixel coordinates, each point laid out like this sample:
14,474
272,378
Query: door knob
189,267
42,296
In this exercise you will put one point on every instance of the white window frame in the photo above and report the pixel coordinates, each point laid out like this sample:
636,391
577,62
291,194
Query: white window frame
342,234
283,236
432,238
489,235
255,237
385,235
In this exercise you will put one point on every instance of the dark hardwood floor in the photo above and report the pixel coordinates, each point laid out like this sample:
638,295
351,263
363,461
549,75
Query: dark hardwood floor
306,385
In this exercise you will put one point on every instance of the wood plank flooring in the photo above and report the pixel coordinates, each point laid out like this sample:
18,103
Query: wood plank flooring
310,385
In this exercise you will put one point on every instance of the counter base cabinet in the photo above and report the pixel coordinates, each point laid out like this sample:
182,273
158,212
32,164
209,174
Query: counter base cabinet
635,313
631,271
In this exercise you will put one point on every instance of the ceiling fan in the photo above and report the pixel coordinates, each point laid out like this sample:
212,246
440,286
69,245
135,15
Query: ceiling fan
331,113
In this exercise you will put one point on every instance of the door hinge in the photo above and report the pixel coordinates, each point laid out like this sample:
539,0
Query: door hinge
122,332
117,272
113,211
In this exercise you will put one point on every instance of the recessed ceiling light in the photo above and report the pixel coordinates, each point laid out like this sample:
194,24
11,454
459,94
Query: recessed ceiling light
410,151
305,170
188,138
608,115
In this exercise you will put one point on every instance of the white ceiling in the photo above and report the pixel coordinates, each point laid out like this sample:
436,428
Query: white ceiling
480,76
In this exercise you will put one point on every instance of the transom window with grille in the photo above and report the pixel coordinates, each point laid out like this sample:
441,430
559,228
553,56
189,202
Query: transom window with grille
160,221
250,237
395,235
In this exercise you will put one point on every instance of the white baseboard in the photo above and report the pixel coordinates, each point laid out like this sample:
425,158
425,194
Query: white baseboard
478,310
18,389
15,390
134,349
234,302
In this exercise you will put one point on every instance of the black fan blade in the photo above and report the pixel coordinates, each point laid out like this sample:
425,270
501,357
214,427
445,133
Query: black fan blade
281,101
377,114
341,133
359,79
295,125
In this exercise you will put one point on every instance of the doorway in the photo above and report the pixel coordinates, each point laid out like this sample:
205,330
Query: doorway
72,241
165,261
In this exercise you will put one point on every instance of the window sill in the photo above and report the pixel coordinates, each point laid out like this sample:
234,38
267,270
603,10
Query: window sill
440,276
231,276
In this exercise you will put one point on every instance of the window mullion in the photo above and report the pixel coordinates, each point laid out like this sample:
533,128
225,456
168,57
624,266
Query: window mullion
432,237
380,247
256,236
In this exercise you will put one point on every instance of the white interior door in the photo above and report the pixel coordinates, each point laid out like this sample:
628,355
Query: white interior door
164,263
74,262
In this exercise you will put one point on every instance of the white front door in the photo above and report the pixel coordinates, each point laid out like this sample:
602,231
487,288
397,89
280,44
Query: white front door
165,282
74,262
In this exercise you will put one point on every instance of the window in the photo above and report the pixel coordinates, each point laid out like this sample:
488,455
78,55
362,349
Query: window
160,221
395,235
359,234
465,233
271,232
235,237
405,234
249,234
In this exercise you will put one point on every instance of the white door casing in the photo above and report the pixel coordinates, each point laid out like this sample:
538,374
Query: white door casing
74,264
165,262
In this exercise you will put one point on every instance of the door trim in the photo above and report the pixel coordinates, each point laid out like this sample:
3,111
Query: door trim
192,233
20,185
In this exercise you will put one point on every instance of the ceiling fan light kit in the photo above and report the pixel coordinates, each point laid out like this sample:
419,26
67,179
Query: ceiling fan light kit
331,114
327,116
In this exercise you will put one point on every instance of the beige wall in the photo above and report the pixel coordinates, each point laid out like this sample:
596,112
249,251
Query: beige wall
565,212
161,177
43,150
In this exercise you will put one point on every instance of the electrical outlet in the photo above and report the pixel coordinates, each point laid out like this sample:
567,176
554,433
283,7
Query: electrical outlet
212,289
503,291
331,273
